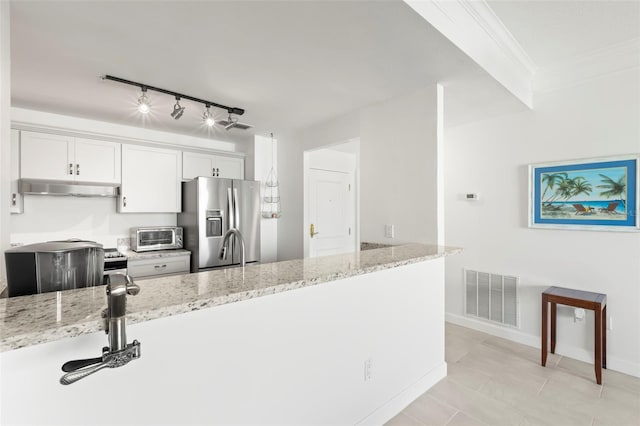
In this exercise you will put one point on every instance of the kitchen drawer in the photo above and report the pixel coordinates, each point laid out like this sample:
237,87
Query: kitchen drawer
140,268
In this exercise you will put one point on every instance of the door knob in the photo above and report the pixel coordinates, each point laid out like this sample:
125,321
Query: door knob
312,230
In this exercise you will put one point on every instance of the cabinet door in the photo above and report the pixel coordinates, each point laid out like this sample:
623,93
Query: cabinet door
230,167
194,165
159,266
16,202
151,179
97,161
44,156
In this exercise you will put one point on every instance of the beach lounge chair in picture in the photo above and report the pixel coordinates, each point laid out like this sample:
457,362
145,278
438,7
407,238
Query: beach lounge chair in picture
580,209
611,209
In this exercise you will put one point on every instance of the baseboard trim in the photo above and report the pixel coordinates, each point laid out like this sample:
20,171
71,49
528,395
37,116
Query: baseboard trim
581,354
399,402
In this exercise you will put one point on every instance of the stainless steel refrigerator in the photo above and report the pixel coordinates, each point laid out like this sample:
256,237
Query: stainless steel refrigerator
212,206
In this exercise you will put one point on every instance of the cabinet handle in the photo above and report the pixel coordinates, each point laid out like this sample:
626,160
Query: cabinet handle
13,199
160,266
213,171
70,168
124,201
78,169
217,171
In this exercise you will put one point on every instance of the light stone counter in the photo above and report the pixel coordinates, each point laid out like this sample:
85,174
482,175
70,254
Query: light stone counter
30,320
132,255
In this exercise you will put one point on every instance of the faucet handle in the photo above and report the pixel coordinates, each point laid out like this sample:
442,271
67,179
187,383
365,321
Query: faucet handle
84,368
76,375
131,287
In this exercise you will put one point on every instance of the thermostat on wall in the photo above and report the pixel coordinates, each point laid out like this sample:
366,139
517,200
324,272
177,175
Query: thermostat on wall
471,197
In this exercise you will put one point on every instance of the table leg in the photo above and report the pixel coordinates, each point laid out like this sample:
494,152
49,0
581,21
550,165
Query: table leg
604,337
544,331
598,344
553,327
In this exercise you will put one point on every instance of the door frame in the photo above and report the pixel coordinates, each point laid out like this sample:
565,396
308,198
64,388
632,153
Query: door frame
351,146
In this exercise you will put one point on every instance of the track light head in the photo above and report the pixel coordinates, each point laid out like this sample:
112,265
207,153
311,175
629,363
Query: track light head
231,122
143,102
207,117
177,109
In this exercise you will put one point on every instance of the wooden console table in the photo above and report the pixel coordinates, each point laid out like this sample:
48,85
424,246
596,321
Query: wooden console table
596,302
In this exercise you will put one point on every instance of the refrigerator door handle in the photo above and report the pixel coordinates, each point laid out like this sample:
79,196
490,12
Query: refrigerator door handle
230,209
236,208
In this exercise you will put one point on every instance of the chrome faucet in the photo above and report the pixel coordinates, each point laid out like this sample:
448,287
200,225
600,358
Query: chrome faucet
118,353
237,235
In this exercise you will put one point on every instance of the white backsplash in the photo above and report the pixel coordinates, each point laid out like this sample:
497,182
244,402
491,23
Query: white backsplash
48,218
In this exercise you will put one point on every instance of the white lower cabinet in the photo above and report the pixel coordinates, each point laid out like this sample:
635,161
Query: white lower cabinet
151,179
158,266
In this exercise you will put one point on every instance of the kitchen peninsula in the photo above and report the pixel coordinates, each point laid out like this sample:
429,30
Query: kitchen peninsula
344,339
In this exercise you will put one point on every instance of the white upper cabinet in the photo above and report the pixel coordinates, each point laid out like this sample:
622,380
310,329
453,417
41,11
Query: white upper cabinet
97,161
151,180
230,167
45,156
195,164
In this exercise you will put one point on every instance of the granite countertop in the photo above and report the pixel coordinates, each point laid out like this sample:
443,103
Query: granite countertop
40,318
132,255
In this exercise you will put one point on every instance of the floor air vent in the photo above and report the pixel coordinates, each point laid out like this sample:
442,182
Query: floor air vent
491,297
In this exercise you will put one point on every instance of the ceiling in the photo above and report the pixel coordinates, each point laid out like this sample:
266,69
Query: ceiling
288,64
553,31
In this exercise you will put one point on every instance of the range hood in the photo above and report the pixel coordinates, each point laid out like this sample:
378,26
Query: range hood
77,189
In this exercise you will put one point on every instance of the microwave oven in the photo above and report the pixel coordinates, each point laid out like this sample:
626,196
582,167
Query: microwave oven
156,238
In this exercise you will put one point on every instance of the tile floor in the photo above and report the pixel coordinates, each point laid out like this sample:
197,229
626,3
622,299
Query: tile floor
493,381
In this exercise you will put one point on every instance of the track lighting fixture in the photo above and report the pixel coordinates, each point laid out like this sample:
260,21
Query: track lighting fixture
207,117
143,102
177,109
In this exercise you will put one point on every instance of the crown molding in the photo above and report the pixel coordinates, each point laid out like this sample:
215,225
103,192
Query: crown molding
473,27
586,67
487,19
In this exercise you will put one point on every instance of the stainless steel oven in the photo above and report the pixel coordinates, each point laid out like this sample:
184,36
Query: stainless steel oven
156,238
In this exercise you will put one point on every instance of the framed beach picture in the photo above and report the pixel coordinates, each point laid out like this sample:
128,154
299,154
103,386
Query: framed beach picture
595,194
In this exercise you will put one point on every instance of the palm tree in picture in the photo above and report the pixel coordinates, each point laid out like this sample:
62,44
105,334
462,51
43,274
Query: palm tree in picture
564,190
614,188
581,186
551,179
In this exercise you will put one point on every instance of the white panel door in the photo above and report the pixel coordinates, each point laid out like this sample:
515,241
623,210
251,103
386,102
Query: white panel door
194,165
151,180
97,161
44,156
331,213
230,167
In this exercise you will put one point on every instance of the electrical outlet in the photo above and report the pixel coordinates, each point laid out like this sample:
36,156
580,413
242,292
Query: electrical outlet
578,314
389,231
610,323
368,363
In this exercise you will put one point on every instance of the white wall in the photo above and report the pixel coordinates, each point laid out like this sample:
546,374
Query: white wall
398,159
292,358
5,129
49,218
599,118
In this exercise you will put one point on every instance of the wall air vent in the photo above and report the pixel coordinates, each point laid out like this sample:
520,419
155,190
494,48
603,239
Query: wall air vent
491,297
